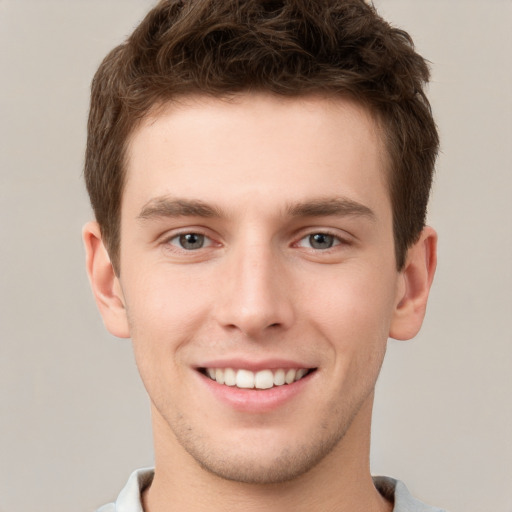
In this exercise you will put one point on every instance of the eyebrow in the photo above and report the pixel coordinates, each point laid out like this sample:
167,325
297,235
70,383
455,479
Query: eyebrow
337,206
321,207
170,207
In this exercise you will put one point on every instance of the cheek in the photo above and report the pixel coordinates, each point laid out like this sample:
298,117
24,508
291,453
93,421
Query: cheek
353,313
164,292
163,316
164,311
352,302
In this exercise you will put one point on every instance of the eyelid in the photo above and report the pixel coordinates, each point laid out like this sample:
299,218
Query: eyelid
336,242
342,238
176,233
208,242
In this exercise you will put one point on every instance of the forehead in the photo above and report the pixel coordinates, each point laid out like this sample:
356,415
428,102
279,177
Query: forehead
250,144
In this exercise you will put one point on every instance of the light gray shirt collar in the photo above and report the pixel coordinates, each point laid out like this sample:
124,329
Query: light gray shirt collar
129,499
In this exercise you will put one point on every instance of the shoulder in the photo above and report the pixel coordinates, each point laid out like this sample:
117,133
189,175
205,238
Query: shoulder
110,507
129,499
397,492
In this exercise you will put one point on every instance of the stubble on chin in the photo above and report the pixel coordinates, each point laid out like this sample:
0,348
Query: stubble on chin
237,463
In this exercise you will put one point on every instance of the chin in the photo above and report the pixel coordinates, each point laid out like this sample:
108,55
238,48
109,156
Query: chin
281,469
260,467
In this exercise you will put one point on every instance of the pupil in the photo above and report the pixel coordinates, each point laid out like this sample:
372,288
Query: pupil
321,241
191,241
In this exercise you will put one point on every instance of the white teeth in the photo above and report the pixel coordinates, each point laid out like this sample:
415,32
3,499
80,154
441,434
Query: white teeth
300,373
229,377
264,379
290,376
219,376
279,378
244,379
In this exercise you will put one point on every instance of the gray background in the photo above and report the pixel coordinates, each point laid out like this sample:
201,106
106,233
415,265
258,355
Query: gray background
74,420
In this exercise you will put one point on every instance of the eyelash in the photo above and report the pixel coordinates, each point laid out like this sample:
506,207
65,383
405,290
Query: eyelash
336,240
178,236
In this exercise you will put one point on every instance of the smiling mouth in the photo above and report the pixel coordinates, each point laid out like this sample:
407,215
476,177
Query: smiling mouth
263,379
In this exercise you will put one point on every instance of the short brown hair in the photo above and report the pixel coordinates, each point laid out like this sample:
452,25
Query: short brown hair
286,47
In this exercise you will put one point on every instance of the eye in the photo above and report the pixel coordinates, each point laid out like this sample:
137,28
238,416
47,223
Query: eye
319,241
190,241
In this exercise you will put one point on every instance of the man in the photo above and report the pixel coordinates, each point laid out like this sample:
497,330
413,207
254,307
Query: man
259,172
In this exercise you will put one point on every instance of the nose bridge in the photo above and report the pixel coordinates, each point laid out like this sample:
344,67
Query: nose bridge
256,292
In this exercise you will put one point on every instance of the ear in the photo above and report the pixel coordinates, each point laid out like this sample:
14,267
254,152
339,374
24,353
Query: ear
415,281
104,283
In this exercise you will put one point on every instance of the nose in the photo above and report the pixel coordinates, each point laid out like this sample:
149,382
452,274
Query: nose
256,296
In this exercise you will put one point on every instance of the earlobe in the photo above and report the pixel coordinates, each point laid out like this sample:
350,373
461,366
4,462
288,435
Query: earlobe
414,287
104,283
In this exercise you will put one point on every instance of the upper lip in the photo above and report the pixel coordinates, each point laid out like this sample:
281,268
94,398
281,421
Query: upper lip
255,366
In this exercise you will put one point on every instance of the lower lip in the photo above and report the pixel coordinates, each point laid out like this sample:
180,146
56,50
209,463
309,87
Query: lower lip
256,400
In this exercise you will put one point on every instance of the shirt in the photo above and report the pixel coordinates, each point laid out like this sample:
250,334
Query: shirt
129,499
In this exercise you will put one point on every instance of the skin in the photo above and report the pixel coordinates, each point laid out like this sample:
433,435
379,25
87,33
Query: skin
258,176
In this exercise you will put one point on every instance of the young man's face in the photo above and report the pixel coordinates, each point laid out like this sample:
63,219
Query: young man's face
256,240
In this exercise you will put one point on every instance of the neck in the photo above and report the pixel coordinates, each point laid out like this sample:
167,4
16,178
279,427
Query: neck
340,482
